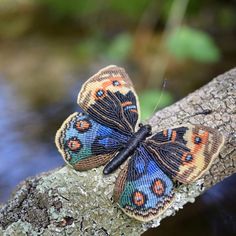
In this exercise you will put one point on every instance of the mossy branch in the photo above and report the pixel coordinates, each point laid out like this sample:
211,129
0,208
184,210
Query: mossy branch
63,201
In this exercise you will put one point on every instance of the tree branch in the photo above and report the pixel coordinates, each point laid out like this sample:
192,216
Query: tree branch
64,201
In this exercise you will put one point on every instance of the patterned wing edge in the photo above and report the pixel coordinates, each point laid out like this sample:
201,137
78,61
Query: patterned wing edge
144,216
61,133
84,100
213,143
85,164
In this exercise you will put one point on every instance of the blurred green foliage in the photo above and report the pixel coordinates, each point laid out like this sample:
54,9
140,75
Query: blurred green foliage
78,8
150,100
89,48
72,8
116,50
125,33
120,48
227,17
183,43
189,43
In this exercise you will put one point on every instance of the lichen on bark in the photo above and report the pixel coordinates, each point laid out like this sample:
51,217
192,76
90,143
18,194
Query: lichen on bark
67,202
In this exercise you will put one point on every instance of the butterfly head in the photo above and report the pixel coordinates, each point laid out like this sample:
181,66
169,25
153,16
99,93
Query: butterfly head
147,128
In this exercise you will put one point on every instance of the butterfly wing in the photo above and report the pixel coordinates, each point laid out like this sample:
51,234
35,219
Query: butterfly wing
186,152
85,144
143,190
109,98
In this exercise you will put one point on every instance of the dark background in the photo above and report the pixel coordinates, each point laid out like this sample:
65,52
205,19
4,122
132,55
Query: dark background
48,48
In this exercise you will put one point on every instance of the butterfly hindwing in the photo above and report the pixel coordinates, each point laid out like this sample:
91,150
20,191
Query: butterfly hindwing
143,190
186,152
85,144
109,98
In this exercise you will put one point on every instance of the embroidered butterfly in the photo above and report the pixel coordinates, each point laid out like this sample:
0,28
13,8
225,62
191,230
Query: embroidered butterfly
109,133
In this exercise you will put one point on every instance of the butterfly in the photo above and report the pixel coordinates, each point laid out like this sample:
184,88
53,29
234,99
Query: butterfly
109,133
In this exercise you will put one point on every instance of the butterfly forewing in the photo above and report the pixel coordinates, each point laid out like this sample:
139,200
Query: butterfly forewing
142,189
185,152
110,99
85,143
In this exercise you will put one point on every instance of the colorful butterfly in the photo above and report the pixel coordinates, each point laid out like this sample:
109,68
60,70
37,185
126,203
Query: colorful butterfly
108,134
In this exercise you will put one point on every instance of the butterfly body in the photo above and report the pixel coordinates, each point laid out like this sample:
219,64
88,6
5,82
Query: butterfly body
128,150
107,134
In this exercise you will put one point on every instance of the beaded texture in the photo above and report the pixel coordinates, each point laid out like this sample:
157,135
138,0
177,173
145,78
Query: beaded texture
144,188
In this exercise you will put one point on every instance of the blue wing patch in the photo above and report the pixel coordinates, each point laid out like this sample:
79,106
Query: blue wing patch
85,143
142,189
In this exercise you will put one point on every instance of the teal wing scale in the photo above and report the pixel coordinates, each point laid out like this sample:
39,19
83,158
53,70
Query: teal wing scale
85,144
142,189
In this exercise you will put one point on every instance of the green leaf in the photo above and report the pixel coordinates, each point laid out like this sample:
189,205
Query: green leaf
151,99
188,43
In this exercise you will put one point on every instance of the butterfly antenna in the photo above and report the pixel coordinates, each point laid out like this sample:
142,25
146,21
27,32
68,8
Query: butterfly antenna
160,97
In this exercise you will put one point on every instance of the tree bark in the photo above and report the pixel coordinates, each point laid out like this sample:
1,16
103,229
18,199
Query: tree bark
67,202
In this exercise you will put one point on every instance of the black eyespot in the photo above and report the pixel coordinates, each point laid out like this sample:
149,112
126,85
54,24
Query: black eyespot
115,83
188,158
100,93
197,140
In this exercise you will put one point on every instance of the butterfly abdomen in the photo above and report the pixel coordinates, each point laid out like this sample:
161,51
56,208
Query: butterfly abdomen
129,149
